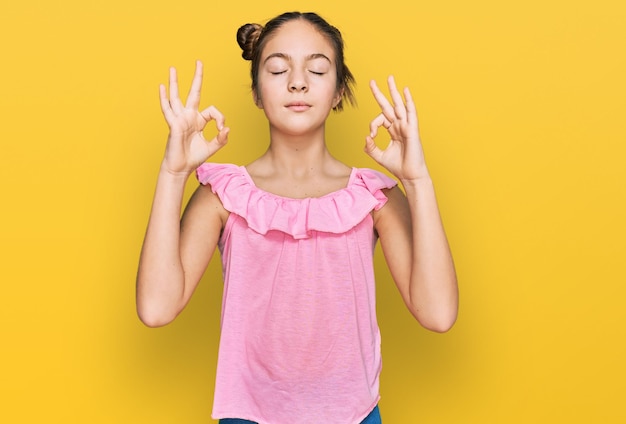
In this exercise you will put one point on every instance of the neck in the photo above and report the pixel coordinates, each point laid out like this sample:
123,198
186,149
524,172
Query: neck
297,154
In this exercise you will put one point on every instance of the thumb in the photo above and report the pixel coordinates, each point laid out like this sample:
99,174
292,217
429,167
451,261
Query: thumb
222,136
217,142
372,149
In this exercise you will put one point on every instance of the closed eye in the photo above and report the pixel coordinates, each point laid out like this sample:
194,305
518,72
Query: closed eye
317,73
277,72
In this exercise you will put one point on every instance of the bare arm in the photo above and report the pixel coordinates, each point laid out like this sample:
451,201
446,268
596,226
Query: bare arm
175,253
410,228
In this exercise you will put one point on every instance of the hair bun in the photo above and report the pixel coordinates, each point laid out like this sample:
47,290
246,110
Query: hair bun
247,36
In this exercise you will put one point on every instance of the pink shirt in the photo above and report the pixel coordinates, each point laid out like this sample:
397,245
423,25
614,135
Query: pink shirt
299,342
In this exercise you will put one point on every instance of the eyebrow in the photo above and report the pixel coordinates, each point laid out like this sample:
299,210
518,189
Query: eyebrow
288,58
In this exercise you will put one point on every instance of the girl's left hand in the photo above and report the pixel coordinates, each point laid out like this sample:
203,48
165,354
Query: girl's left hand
404,156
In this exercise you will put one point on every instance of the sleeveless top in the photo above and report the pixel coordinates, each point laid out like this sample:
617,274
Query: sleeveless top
299,337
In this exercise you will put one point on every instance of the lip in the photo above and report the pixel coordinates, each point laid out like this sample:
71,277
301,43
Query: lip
298,106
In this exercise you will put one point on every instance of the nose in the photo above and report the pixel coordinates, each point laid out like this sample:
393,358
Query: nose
298,82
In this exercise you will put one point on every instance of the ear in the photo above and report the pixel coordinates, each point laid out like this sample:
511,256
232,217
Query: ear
257,99
337,97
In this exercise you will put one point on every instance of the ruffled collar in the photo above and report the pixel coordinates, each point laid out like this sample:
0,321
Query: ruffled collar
336,212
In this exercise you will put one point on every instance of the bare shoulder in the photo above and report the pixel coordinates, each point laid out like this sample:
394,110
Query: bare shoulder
337,174
205,206
394,213
338,169
201,227
393,225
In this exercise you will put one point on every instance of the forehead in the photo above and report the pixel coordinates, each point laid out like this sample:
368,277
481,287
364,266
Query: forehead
298,37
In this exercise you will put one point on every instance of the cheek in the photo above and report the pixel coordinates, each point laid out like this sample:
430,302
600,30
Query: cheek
266,88
262,93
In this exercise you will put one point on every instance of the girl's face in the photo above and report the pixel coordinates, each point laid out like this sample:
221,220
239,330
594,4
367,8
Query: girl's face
297,85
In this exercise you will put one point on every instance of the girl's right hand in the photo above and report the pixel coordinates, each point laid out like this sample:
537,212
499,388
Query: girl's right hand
186,146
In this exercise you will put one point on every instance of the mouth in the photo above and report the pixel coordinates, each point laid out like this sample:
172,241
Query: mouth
298,106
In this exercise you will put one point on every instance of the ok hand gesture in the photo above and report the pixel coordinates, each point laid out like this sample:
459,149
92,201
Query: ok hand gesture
404,156
186,146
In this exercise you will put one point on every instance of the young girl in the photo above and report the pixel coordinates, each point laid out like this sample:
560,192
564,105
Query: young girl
296,230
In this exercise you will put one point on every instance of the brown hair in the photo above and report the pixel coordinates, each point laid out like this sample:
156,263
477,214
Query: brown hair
253,37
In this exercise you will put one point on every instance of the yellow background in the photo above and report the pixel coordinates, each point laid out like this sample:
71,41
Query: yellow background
523,118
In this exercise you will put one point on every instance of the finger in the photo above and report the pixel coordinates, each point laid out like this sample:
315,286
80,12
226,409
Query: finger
213,113
175,102
382,101
193,99
398,102
379,121
222,136
410,108
166,108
